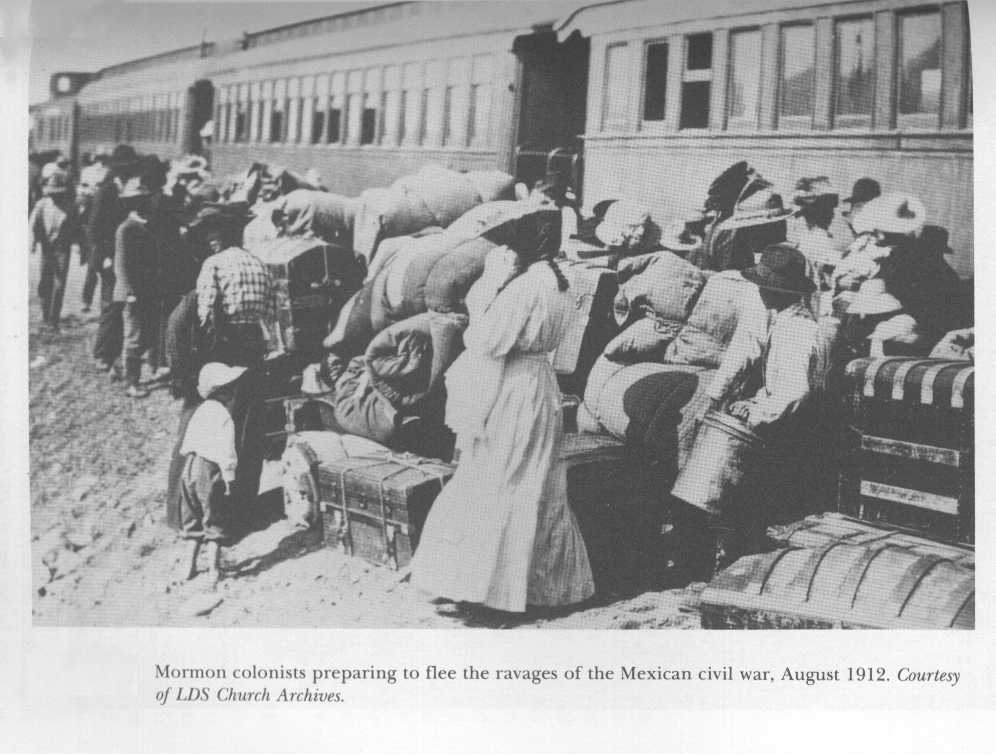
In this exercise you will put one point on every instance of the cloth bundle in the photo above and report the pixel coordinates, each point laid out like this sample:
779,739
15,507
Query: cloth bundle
400,376
319,213
726,297
654,406
432,196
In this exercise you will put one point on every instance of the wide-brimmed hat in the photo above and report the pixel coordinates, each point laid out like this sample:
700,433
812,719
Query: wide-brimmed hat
536,235
864,190
809,191
872,298
57,182
215,375
760,208
675,236
124,155
782,268
900,214
211,215
136,187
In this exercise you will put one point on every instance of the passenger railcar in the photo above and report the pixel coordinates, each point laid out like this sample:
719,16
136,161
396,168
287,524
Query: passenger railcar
629,98
878,88
158,104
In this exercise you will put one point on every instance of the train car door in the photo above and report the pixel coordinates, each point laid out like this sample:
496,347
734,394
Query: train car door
553,101
199,112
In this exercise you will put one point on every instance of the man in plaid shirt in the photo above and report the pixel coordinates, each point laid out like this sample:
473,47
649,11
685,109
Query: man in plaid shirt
235,294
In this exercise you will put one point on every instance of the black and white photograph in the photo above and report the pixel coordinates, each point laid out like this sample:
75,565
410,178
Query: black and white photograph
616,315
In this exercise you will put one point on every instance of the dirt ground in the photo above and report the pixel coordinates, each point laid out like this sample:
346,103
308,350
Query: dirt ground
103,556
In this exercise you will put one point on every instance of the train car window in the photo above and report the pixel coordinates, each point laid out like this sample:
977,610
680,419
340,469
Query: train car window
654,81
479,117
390,106
698,52
371,103
318,107
411,100
854,79
919,68
278,124
354,107
334,116
293,110
797,79
696,84
744,93
616,95
242,115
433,107
456,103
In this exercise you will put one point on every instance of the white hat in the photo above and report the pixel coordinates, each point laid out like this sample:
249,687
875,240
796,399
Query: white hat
216,375
902,214
621,221
760,208
873,298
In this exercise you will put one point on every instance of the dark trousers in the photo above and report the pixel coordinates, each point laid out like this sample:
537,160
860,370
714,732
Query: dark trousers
95,273
203,502
107,346
240,345
140,320
52,285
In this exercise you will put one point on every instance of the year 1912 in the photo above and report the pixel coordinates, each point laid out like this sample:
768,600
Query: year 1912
867,674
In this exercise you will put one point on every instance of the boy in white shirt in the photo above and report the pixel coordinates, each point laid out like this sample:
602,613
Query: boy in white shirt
209,468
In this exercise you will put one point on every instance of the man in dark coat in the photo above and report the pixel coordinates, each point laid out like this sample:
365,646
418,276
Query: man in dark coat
136,263
105,215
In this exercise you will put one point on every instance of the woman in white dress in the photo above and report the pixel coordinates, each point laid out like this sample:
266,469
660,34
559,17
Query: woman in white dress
501,533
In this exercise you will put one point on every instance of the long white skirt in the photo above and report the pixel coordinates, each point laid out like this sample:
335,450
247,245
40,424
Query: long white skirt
501,533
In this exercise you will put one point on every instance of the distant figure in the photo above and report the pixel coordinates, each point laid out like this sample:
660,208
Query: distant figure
55,227
136,260
863,191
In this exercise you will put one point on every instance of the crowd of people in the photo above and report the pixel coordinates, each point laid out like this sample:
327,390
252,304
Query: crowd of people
180,293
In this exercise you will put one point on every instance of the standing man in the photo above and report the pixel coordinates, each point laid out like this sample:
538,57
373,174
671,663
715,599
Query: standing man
106,214
54,225
863,191
91,177
236,299
136,260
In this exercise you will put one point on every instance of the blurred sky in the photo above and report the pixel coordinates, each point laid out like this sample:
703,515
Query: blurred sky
85,35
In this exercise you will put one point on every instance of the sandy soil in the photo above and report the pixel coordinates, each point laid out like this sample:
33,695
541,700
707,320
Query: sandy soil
103,556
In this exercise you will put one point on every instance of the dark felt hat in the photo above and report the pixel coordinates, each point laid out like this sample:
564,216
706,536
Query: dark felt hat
782,268
864,190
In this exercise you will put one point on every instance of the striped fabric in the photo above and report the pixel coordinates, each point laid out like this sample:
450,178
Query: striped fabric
932,382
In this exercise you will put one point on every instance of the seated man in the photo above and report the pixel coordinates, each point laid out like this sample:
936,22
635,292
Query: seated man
773,366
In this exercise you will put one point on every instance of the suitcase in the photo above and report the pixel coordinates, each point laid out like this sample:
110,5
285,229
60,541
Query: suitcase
592,323
838,572
909,445
618,502
313,280
374,505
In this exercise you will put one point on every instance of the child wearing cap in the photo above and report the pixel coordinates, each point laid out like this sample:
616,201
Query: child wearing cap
210,464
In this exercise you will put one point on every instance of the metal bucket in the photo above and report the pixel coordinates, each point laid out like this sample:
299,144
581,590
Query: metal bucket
724,454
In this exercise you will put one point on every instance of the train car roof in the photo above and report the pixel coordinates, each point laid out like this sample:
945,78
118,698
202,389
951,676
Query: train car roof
623,15
398,24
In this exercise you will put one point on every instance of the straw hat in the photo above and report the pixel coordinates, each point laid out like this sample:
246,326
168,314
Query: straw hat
622,220
136,187
809,191
872,298
783,269
56,183
216,375
900,214
760,208
676,237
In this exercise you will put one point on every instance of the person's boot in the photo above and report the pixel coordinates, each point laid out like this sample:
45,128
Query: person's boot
215,568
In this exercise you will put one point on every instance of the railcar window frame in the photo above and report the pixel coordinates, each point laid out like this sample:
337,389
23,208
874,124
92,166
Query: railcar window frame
852,121
654,124
752,123
696,77
615,112
919,120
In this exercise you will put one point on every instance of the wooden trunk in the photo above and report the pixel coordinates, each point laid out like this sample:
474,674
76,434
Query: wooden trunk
845,578
374,506
909,445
